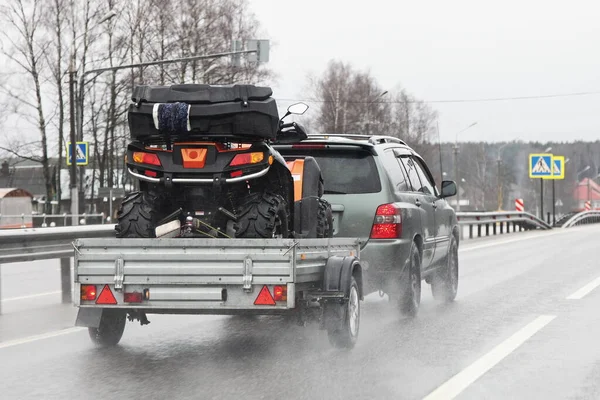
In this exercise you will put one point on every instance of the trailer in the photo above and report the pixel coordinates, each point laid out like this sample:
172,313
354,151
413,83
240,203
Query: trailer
311,280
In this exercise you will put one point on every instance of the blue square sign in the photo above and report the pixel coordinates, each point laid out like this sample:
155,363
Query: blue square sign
82,153
541,166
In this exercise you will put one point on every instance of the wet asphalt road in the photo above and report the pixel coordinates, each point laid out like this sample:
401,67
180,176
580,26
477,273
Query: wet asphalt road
506,284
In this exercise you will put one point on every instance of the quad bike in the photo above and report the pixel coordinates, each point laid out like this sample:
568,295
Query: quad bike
206,168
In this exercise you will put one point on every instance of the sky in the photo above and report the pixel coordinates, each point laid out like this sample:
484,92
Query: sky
442,50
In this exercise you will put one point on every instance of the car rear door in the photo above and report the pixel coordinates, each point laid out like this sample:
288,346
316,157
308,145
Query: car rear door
423,198
441,221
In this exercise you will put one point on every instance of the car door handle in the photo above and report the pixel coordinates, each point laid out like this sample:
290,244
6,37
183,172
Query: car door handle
418,203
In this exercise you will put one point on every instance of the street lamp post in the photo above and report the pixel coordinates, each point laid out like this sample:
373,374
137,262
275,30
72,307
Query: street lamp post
73,129
542,189
498,180
456,177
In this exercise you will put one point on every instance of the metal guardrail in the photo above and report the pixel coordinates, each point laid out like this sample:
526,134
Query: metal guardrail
18,245
51,220
584,217
499,222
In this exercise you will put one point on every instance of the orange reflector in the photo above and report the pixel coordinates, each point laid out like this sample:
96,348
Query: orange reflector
193,158
88,292
264,298
280,293
106,296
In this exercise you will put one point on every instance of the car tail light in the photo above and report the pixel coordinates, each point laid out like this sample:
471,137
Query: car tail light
88,292
146,158
387,223
280,292
134,297
264,298
247,158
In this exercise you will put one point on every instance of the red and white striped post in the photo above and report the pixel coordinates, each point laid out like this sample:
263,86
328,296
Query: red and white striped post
519,205
588,205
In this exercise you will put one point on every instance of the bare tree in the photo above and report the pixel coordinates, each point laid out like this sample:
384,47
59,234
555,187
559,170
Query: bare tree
55,23
27,47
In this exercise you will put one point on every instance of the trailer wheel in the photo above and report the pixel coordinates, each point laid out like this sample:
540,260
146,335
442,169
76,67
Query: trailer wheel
110,330
263,215
139,215
344,333
324,220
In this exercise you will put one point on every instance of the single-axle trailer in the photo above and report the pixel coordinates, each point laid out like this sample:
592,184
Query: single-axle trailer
313,280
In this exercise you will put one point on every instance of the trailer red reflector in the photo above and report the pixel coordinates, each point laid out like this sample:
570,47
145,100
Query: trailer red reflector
280,293
88,292
264,298
106,296
135,297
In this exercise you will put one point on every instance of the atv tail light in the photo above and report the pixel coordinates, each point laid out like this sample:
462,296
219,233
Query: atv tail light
134,297
387,223
280,292
88,292
247,158
146,158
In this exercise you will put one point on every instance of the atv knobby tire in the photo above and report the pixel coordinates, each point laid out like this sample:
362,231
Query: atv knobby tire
139,214
263,215
324,220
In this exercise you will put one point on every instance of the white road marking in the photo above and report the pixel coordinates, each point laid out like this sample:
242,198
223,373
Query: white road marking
31,296
35,338
522,239
578,295
459,382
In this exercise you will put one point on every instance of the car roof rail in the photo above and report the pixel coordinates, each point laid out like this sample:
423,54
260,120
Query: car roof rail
371,139
385,139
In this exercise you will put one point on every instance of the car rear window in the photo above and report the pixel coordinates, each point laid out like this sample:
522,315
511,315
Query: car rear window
346,172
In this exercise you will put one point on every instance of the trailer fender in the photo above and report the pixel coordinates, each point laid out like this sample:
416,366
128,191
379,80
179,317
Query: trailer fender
89,317
338,273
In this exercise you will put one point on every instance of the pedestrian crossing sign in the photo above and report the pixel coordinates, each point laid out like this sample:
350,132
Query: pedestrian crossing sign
558,163
82,153
541,166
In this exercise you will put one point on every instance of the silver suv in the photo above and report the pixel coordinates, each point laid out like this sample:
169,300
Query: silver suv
382,191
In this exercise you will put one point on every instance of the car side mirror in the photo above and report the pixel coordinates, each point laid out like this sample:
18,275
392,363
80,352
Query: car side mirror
448,189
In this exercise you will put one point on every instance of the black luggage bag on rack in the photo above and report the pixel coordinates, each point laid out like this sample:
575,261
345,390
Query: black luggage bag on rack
190,111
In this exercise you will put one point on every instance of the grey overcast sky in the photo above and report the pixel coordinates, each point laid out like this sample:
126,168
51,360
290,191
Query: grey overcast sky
457,49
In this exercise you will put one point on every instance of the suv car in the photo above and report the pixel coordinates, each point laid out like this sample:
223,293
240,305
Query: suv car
382,191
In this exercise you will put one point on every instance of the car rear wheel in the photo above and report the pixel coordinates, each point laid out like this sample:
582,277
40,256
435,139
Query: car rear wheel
410,287
444,284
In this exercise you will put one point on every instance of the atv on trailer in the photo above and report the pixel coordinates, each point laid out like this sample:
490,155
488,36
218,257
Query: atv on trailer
206,168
